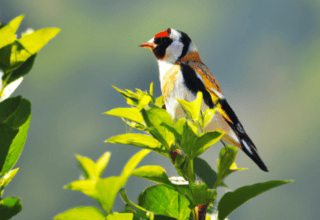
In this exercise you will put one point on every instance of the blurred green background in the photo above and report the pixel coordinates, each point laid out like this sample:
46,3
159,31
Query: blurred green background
265,54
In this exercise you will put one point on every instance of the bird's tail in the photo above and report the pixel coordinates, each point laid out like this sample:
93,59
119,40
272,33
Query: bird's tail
250,150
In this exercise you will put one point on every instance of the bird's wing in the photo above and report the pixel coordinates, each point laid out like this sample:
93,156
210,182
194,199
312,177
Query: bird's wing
237,136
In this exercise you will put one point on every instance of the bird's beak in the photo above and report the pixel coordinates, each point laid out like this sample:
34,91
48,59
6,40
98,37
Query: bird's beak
148,45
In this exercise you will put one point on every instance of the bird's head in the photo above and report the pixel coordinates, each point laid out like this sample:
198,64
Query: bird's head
170,45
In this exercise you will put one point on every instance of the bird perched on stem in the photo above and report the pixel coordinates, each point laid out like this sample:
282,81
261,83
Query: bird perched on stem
183,74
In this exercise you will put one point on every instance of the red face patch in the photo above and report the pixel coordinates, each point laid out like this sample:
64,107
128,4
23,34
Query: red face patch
162,34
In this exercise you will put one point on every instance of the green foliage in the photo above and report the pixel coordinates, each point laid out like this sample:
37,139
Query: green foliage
183,141
84,213
17,57
232,200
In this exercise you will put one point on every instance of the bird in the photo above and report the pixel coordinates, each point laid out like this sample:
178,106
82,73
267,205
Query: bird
183,74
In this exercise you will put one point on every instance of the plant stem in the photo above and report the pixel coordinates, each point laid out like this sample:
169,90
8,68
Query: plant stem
201,211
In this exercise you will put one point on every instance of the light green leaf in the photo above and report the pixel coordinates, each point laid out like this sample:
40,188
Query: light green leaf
159,102
153,173
102,163
81,213
7,33
204,141
201,194
138,140
192,108
207,117
9,207
164,200
6,179
36,40
151,89
144,101
87,166
205,172
120,216
132,114
232,200
104,191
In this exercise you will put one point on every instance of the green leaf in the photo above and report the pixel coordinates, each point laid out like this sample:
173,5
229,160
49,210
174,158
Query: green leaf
192,108
7,33
201,194
14,138
207,117
138,210
206,140
81,213
36,40
132,114
188,139
205,172
6,179
144,101
9,207
120,216
153,173
227,157
164,200
159,102
138,140
151,89
87,166
157,116
102,163
232,200
7,136
104,191
23,69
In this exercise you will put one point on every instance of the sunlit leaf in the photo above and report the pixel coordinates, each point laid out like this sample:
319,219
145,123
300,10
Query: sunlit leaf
6,179
36,40
81,213
159,102
144,101
232,200
164,200
201,194
138,140
153,173
204,141
207,117
120,216
7,33
9,207
102,163
188,139
132,114
104,191
192,108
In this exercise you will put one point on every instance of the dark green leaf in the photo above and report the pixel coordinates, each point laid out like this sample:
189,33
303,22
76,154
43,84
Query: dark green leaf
7,136
164,200
153,173
232,200
227,157
204,171
23,69
81,213
16,146
138,210
9,207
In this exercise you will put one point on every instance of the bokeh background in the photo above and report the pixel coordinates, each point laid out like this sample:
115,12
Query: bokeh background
265,54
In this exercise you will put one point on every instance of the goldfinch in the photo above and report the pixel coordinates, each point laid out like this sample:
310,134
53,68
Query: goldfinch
183,74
